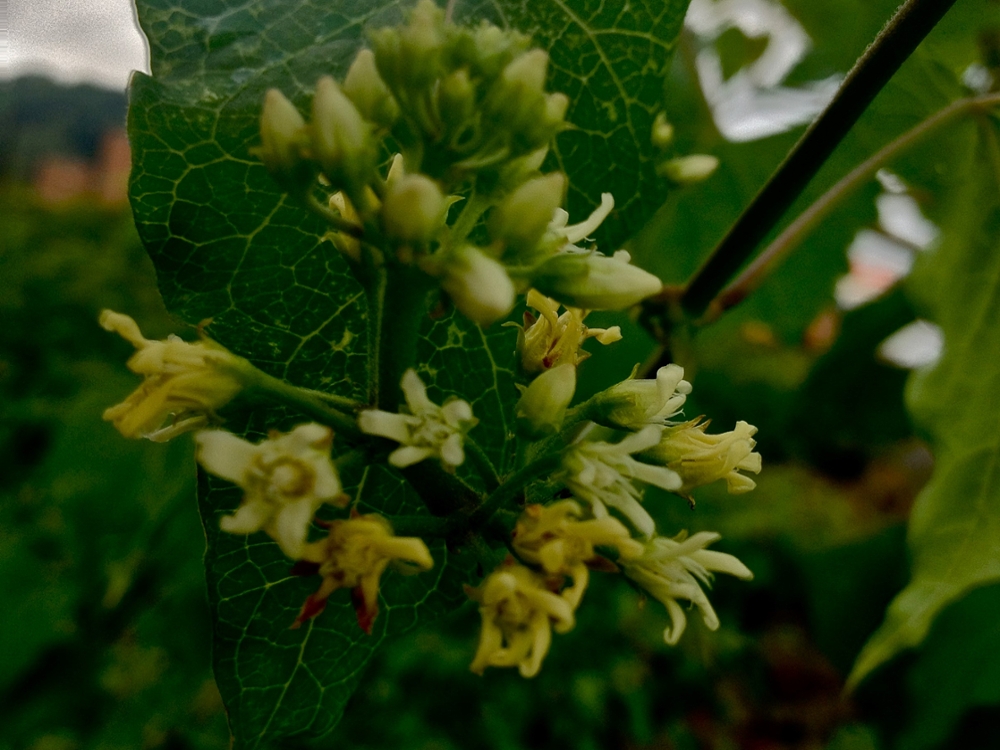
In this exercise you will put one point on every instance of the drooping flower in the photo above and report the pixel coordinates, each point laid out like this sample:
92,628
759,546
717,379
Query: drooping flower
427,430
672,569
555,537
519,613
354,555
603,474
700,458
552,339
184,382
636,402
284,478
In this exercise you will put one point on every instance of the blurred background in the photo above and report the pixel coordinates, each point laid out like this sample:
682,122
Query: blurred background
105,627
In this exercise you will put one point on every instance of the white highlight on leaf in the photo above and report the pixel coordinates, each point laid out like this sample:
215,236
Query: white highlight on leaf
918,344
753,103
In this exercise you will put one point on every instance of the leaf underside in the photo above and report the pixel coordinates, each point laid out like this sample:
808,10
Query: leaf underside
230,247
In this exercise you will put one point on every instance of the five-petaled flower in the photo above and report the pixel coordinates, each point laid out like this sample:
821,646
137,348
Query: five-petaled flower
672,569
354,555
284,478
185,383
553,339
700,458
519,612
603,475
427,430
555,537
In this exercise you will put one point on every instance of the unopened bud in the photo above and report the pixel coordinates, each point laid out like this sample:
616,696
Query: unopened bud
420,43
528,70
341,138
542,407
414,208
478,285
456,99
282,135
365,87
663,132
523,216
594,281
687,170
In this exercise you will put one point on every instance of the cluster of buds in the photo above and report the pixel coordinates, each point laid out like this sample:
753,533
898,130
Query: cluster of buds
468,110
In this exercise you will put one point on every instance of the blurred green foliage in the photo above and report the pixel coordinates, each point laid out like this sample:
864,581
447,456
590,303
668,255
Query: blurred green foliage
106,629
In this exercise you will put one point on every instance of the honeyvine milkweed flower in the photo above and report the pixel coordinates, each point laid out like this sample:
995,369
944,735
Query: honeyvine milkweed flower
604,475
672,569
700,458
555,537
519,612
636,402
184,382
354,555
552,339
427,430
284,478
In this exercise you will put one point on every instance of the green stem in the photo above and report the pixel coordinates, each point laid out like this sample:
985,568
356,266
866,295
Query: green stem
474,207
401,305
896,42
752,276
306,401
442,493
512,488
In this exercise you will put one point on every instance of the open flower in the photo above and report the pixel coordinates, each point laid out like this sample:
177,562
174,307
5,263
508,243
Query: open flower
672,569
553,339
603,474
354,555
519,613
554,537
634,403
285,479
185,383
427,430
700,458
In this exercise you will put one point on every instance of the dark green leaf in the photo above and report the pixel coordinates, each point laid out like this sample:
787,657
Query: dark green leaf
229,246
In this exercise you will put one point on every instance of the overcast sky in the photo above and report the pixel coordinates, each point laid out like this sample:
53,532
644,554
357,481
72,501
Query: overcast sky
73,40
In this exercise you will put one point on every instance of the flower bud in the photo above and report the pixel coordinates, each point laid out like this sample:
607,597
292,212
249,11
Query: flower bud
634,403
528,70
282,135
365,87
420,46
687,170
414,208
663,132
542,407
594,281
456,98
341,138
523,216
478,285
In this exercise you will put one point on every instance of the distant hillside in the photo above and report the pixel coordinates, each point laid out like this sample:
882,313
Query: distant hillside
40,118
